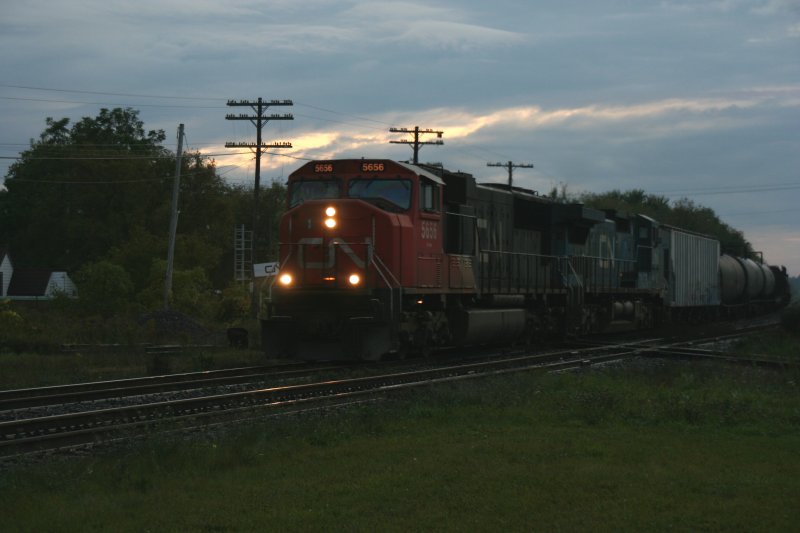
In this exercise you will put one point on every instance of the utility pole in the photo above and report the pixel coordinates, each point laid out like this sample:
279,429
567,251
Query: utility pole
416,143
510,166
173,221
260,119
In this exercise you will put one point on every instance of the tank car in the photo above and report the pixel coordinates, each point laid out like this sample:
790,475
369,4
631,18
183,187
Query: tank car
751,287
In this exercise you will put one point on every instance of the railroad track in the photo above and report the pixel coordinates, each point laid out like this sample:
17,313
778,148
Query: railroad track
693,349
102,390
76,429
95,426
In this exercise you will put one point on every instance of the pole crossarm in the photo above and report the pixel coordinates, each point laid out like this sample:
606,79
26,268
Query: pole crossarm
265,103
274,116
416,143
280,144
510,166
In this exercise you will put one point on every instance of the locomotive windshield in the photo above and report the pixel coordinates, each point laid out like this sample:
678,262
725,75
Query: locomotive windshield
304,190
392,194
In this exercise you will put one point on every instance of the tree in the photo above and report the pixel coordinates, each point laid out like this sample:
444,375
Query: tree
77,192
104,287
683,213
99,192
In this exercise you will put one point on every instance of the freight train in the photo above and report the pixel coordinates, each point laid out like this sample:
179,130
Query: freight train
383,257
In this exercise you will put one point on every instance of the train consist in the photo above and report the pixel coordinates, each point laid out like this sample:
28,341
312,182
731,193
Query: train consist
380,257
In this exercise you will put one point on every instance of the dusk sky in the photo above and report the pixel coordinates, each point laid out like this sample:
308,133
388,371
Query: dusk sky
680,98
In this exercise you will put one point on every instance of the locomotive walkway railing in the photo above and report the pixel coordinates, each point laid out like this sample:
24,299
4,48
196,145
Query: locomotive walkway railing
524,273
520,273
603,273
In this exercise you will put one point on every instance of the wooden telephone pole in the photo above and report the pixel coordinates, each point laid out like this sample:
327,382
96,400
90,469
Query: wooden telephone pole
416,143
173,222
258,120
510,166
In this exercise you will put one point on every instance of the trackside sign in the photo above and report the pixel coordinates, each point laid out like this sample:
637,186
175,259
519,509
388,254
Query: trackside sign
261,270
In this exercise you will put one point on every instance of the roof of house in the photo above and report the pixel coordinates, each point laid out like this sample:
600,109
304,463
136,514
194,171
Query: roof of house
29,282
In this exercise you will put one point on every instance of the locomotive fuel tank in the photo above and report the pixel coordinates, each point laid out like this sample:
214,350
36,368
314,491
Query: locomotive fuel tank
474,326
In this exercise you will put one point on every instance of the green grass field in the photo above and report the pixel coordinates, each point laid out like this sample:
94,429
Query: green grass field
646,446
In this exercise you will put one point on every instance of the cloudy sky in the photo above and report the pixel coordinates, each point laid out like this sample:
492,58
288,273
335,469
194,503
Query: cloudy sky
681,98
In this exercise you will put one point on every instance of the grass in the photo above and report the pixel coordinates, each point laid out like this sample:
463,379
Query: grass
644,447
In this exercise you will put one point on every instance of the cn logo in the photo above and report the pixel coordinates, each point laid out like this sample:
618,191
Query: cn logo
333,244
430,229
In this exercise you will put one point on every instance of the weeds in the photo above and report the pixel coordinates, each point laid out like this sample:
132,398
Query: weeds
682,448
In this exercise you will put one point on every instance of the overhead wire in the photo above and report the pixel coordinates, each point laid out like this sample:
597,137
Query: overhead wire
455,144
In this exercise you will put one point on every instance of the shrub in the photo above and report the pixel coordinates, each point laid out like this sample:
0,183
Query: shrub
104,287
790,319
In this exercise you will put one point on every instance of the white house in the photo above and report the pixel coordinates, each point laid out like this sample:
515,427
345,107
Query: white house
33,283
6,269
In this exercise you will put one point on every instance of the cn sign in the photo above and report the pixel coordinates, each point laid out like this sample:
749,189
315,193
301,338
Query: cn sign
261,270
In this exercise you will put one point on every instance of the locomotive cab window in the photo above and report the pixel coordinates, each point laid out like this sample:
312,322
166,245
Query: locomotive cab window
429,196
388,194
303,190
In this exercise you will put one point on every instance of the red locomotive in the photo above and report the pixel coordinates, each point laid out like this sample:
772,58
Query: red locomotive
379,256
360,244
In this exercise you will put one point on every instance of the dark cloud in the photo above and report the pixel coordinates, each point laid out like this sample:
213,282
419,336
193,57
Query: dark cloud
674,96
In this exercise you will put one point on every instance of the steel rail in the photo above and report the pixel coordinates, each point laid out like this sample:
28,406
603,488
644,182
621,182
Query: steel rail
68,429
686,352
98,390
56,431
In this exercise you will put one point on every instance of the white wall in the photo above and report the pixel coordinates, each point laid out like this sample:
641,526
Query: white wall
6,269
61,283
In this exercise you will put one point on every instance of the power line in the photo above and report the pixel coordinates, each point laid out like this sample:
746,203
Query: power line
110,104
726,188
206,98
343,114
113,158
203,98
794,210
106,93
735,191
93,182
138,95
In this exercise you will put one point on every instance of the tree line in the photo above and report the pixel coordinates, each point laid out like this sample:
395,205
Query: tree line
683,213
94,198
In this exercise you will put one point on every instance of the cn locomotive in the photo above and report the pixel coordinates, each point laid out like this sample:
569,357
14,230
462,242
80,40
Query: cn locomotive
384,257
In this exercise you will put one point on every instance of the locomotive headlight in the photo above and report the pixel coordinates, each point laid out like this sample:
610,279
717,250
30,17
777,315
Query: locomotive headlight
354,279
285,279
330,212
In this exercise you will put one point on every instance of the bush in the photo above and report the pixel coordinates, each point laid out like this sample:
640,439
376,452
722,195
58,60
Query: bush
790,319
104,287
234,305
